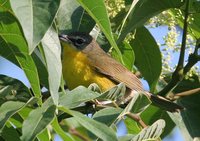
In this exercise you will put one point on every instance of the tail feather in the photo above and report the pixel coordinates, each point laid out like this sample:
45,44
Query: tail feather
157,100
165,104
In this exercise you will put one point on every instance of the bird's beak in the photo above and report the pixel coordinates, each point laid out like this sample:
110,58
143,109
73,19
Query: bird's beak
64,38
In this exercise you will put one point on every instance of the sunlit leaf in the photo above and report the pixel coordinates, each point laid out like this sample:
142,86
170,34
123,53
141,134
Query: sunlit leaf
100,130
36,17
52,52
65,136
152,132
14,48
38,120
8,109
77,96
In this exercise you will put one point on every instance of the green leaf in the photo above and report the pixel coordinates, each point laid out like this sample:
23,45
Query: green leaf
52,52
148,56
97,10
132,126
36,17
191,103
38,120
9,108
40,64
77,96
107,115
44,135
100,130
152,132
10,133
144,10
14,48
128,55
64,135
73,18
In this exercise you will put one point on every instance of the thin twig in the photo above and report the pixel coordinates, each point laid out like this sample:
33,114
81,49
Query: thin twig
74,132
187,93
137,118
176,96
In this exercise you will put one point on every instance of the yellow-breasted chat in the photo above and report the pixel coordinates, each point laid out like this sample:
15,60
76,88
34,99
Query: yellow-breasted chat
84,62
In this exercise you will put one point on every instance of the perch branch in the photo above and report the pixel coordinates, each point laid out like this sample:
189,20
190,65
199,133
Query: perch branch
178,75
137,118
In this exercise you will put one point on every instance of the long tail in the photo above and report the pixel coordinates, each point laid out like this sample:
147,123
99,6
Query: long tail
158,101
165,104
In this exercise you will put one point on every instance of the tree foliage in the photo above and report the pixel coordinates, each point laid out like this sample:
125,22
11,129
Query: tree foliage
29,39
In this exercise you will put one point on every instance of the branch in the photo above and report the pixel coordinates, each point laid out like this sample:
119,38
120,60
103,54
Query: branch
137,118
193,58
186,93
178,75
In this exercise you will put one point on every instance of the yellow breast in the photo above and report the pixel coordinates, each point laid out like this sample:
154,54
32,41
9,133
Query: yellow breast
77,71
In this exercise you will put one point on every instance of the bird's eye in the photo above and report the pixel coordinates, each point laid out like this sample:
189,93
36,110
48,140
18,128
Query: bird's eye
80,41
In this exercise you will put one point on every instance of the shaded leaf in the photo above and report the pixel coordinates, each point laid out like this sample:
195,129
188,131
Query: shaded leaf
10,133
73,18
36,17
52,52
40,64
191,114
148,56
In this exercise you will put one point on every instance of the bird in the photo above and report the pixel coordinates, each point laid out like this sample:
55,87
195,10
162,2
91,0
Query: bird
84,62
